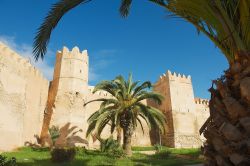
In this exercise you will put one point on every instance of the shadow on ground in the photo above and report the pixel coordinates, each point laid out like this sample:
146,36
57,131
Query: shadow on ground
47,162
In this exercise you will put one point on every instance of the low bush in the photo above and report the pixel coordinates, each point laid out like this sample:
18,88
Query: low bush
64,140
54,132
112,148
158,147
60,155
109,144
4,161
162,154
116,153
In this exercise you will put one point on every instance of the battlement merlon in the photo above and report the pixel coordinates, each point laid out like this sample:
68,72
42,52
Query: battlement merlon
175,76
201,101
23,62
74,54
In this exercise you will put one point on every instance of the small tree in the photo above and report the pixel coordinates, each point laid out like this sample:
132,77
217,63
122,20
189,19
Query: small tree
124,110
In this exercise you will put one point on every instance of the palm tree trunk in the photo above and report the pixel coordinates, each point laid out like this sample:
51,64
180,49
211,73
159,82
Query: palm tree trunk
228,128
119,135
44,136
127,137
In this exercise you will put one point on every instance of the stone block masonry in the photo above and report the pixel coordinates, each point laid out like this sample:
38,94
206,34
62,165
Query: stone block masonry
184,114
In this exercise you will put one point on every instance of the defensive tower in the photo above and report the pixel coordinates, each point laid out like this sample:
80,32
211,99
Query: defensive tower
71,70
69,88
179,108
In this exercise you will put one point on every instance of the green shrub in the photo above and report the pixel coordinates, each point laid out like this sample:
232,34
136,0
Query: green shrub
162,154
4,161
64,142
116,153
81,150
158,147
59,155
111,147
54,132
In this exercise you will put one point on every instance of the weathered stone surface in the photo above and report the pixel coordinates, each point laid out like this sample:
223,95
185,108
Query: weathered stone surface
23,95
185,114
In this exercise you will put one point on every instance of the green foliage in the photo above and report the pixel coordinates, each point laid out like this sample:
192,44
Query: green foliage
162,154
54,132
60,155
125,108
158,147
30,157
111,147
64,140
109,144
65,136
4,161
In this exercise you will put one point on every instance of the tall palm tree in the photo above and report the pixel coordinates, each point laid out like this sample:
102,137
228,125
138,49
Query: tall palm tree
125,109
227,24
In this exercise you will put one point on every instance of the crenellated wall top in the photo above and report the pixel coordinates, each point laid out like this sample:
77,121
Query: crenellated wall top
22,63
201,101
175,76
74,54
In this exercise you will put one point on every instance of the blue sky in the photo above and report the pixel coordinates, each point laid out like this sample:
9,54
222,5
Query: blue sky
147,43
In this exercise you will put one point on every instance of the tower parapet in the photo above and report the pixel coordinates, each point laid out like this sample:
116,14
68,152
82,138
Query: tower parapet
71,70
178,77
175,77
74,54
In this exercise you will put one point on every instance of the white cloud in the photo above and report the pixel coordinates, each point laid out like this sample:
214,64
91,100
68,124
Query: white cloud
99,61
93,76
25,50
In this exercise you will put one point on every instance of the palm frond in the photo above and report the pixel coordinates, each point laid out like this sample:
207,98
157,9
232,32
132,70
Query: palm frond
138,119
98,120
152,96
121,84
107,86
144,85
57,11
125,7
124,109
109,102
226,23
155,117
101,99
129,83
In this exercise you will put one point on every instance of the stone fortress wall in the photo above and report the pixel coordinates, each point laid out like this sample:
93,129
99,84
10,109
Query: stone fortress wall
185,114
24,93
23,96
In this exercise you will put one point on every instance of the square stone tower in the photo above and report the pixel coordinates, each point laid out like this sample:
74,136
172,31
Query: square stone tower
69,88
179,109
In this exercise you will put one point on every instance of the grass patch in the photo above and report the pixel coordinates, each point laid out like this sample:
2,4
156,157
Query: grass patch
41,157
182,151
